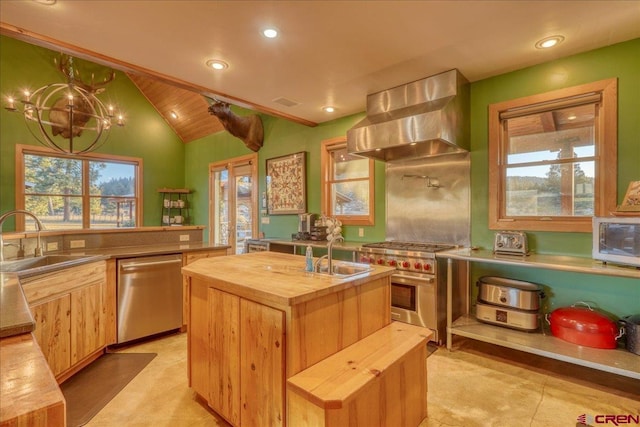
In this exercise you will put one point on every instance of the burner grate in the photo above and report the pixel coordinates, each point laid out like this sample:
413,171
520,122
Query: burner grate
410,246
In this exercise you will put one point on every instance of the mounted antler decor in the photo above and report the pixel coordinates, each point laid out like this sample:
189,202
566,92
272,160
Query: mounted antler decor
247,128
64,111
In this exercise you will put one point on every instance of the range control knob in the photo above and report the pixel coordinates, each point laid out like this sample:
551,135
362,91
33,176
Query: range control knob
427,267
417,266
405,264
392,263
380,261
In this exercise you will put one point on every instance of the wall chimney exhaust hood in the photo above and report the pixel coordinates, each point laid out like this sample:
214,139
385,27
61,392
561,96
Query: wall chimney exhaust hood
425,118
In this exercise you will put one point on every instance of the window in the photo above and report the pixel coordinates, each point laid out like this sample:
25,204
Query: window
347,184
552,159
77,192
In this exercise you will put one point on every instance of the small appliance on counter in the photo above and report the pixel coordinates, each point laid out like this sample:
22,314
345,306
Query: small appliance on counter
305,222
510,303
511,243
617,240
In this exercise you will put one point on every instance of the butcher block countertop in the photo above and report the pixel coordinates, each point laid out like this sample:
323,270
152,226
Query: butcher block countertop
275,278
30,393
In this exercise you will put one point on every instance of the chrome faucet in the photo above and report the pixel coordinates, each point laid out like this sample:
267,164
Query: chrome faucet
328,256
40,227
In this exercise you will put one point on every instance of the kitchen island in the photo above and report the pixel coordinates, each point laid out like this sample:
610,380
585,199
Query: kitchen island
258,319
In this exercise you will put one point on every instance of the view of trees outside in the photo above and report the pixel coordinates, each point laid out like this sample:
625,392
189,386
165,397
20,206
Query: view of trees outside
54,192
550,163
529,195
351,195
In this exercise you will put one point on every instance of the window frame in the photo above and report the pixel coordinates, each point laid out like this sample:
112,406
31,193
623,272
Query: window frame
326,168
605,174
22,150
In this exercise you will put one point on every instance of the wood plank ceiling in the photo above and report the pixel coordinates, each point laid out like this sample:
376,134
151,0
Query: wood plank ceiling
193,120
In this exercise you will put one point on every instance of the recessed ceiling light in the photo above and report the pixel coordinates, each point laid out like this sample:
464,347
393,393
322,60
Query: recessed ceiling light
548,42
173,114
328,109
46,2
270,33
217,64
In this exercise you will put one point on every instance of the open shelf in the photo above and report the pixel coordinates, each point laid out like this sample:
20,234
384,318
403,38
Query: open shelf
617,361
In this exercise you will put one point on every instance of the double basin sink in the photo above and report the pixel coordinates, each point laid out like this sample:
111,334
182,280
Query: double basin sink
42,264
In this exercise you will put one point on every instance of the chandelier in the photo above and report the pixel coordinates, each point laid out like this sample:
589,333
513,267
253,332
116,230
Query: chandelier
68,117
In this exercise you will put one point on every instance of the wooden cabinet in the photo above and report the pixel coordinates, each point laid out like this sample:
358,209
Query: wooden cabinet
70,313
240,370
262,375
188,258
87,321
53,331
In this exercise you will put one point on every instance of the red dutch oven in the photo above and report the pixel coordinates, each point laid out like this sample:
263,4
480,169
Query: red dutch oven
584,326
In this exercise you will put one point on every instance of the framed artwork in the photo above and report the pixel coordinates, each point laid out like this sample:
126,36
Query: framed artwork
631,202
286,184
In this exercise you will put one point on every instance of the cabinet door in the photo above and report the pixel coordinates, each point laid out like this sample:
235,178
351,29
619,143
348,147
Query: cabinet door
198,338
188,258
262,380
53,332
224,362
88,323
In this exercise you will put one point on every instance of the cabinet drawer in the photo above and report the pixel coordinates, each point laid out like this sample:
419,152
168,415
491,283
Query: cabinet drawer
46,286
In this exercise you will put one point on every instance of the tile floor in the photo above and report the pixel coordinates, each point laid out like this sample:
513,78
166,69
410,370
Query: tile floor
477,384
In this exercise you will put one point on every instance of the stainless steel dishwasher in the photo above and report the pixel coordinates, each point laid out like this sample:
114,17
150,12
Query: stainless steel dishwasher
149,296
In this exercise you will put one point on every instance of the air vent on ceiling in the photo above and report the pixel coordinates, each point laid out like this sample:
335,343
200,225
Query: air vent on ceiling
286,102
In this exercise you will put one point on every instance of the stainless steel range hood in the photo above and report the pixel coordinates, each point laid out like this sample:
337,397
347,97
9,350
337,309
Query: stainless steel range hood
425,118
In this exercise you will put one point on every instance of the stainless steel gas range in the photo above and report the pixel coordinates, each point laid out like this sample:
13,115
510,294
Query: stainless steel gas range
418,287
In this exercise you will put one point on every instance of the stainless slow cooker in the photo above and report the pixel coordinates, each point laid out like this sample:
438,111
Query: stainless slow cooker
508,302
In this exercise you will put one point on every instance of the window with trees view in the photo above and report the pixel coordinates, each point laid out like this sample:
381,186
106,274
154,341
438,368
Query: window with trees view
347,184
552,159
72,192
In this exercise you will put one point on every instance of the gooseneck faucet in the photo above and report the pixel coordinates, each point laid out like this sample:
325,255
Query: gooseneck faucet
40,227
329,255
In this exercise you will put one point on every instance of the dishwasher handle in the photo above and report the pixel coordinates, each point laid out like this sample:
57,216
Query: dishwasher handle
133,265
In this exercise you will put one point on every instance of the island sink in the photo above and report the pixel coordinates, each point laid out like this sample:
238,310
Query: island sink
345,270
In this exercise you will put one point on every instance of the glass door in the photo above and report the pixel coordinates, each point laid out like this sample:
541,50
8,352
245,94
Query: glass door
234,202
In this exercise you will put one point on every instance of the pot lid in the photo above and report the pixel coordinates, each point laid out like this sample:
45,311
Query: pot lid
582,319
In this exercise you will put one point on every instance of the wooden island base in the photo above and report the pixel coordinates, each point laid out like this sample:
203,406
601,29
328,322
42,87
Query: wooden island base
257,320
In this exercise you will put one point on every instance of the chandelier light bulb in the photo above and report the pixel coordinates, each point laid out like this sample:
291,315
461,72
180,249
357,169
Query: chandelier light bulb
11,103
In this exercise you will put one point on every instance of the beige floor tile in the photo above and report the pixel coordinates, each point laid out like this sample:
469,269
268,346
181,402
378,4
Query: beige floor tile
476,385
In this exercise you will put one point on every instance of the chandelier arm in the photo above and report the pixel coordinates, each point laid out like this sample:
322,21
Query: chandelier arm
63,111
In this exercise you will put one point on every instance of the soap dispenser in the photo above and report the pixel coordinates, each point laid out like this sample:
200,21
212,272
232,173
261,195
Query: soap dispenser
309,259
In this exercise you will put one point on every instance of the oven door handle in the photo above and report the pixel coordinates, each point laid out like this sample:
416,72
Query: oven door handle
408,280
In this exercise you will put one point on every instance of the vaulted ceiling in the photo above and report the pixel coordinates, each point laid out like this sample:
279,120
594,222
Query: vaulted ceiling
184,110
327,53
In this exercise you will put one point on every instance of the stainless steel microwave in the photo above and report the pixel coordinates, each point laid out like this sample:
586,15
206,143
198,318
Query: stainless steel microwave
617,240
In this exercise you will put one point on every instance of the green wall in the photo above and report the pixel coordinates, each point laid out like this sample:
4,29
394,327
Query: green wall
617,295
145,134
621,61
170,163
281,137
